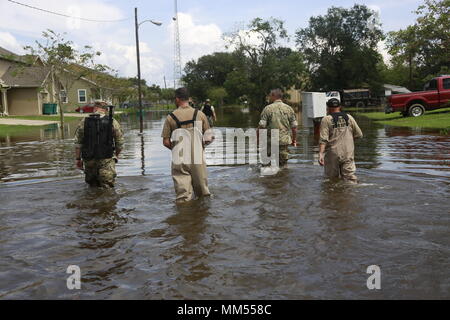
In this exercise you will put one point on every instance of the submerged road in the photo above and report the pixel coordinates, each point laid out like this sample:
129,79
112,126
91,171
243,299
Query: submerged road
289,236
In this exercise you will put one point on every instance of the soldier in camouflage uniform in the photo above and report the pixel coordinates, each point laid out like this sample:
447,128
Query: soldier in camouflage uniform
336,148
99,172
279,115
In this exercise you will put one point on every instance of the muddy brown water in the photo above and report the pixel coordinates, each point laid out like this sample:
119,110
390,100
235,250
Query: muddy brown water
289,236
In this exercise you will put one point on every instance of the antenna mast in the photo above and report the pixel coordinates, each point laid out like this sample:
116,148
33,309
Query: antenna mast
177,50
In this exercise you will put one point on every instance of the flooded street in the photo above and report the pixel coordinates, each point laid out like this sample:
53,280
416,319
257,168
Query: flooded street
290,236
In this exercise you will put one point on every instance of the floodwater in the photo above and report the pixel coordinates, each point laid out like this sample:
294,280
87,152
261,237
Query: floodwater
289,236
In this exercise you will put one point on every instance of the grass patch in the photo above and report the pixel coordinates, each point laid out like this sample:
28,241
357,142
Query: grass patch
14,130
44,118
436,119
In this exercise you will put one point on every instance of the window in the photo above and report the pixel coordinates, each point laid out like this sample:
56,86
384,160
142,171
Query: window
82,96
446,83
432,85
63,95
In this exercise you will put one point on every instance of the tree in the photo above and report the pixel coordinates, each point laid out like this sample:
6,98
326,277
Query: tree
266,61
403,46
258,62
207,72
168,94
424,45
67,63
340,48
217,95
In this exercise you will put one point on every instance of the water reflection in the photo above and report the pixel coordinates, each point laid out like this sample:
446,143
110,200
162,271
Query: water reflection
191,251
143,155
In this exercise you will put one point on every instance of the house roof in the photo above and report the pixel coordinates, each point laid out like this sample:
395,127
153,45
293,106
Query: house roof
3,51
25,77
28,59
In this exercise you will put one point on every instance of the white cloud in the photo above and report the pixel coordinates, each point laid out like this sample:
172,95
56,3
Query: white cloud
114,40
375,8
384,52
196,39
32,22
9,42
123,58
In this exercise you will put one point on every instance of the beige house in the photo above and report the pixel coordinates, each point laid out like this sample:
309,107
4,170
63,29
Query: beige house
26,83
83,91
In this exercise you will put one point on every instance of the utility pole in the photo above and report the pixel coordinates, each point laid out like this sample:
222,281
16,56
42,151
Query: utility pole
141,119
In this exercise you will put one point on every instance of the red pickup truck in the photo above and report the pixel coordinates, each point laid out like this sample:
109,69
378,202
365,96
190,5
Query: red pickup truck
436,95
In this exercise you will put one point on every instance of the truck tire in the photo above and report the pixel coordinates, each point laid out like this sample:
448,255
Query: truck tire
416,110
360,104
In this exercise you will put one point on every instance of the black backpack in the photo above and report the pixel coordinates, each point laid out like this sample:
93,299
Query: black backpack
98,141
207,110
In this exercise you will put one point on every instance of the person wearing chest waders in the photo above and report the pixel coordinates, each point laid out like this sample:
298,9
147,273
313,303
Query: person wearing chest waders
186,132
210,113
99,141
336,145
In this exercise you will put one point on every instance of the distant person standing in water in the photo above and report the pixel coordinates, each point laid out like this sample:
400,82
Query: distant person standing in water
210,113
336,145
280,116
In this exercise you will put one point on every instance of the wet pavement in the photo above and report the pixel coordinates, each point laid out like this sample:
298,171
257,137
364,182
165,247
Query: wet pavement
289,236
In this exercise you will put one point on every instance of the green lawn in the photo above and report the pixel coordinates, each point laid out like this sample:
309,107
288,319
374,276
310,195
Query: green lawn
8,130
437,119
44,117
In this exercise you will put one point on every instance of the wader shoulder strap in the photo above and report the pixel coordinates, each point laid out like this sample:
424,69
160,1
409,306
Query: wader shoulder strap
195,116
174,117
336,116
183,123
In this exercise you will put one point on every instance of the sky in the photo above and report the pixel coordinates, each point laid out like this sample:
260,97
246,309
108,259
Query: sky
202,25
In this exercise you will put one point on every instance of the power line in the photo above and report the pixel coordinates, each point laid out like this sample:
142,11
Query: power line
64,15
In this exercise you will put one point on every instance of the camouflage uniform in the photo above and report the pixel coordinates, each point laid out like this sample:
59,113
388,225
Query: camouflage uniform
339,149
279,115
100,173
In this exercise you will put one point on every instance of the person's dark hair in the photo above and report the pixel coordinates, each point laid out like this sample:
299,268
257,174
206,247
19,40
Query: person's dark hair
333,103
182,94
278,93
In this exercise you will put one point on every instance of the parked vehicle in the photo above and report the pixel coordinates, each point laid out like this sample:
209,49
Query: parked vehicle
333,95
359,98
435,95
90,107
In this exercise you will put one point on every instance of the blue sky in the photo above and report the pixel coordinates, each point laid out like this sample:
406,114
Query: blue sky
202,23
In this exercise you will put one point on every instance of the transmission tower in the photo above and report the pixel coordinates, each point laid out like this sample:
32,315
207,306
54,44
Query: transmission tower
177,50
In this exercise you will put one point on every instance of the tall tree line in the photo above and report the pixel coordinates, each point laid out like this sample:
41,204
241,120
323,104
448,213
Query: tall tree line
337,50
